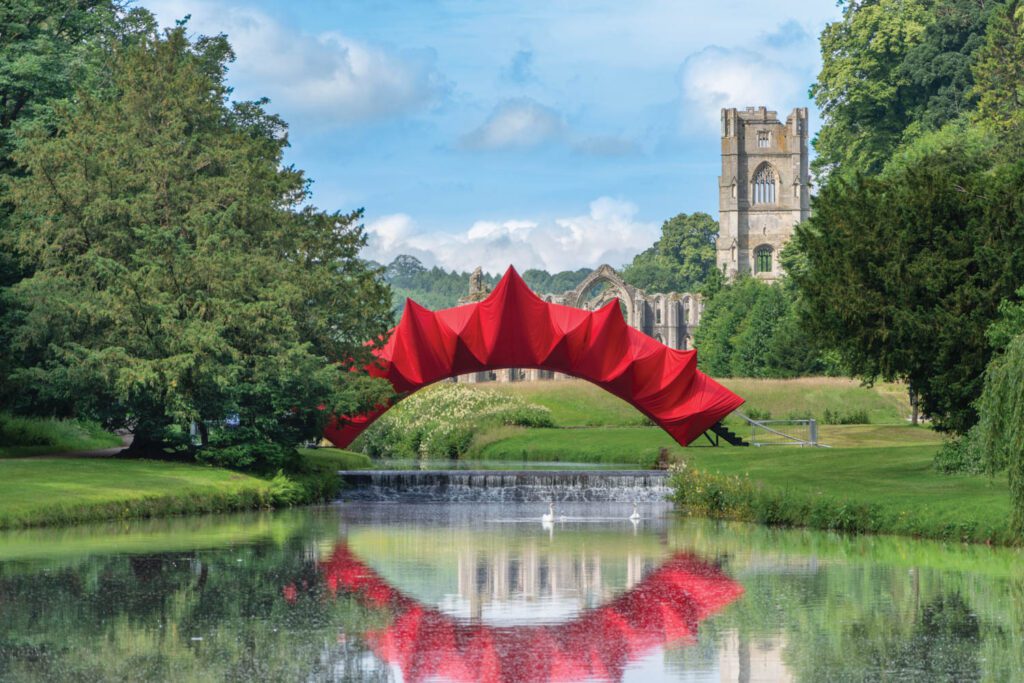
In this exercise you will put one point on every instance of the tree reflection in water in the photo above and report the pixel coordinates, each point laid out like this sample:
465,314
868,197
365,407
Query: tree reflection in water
426,643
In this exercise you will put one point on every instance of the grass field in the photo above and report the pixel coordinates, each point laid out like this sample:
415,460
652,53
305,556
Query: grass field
576,403
22,436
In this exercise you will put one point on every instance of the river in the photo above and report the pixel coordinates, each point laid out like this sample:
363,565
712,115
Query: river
390,590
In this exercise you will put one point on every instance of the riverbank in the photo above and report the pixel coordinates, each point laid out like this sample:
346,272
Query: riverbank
893,490
38,491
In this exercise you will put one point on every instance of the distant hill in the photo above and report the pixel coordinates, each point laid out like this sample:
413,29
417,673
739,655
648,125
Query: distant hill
437,288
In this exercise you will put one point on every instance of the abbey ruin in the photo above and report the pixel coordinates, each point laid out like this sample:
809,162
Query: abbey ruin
763,191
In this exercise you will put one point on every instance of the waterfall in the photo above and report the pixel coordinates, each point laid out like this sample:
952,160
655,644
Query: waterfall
489,485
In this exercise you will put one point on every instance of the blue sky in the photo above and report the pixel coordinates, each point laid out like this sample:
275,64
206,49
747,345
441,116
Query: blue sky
545,134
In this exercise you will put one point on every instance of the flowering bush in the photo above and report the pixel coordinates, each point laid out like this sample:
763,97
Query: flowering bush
440,421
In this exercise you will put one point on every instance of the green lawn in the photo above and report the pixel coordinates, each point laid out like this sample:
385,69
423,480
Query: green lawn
888,490
575,403
640,445
65,490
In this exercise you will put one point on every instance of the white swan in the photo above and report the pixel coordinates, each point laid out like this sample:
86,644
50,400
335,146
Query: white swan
548,516
635,517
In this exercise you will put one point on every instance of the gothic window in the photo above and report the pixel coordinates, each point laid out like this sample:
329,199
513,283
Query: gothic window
762,189
763,138
763,259
657,314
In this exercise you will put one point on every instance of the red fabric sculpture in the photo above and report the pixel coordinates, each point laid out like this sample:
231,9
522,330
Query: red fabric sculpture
427,644
514,328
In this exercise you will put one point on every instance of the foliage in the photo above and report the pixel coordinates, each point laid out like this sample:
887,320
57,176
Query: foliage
21,436
177,278
1001,428
47,49
999,70
853,417
682,260
437,288
751,329
962,454
440,422
862,84
897,266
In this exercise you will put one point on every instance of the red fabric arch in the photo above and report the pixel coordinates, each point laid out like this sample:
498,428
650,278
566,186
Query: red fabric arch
664,608
514,328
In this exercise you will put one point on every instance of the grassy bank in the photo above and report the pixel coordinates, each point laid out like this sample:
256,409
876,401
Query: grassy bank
23,436
35,492
869,490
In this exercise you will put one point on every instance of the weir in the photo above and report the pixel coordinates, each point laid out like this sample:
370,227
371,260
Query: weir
490,485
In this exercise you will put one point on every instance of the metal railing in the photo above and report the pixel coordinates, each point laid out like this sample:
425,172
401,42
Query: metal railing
783,432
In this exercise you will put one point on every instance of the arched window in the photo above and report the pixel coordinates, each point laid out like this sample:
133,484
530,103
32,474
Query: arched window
762,189
657,313
763,259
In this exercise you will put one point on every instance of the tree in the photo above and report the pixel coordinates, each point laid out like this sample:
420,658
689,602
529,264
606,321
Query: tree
939,69
751,329
862,86
177,280
902,272
46,48
682,260
999,70
1001,428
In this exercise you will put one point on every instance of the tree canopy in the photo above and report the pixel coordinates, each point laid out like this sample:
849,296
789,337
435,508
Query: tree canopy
682,260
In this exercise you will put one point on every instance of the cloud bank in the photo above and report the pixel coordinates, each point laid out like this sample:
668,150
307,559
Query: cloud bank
608,232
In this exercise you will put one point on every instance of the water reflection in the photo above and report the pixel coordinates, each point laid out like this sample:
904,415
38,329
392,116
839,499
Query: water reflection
426,643
391,592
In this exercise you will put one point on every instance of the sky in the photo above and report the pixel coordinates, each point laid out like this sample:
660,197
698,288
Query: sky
555,135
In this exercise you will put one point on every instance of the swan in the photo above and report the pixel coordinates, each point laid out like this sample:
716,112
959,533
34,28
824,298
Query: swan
548,516
635,517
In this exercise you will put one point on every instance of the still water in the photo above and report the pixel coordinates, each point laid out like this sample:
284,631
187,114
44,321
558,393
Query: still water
486,591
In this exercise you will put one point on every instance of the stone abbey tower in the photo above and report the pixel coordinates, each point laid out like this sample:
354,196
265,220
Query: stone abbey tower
764,189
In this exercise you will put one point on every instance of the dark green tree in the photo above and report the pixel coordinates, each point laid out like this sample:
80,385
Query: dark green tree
903,271
177,278
682,260
999,71
751,329
47,49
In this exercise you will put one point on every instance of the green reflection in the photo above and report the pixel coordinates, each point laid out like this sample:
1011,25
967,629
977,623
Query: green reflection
204,598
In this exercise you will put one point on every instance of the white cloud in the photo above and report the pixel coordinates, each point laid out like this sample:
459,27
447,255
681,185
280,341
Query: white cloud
717,77
608,233
327,76
519,122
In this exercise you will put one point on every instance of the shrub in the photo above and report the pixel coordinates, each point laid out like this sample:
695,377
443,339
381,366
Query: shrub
757,414
854,417
441,421
963,454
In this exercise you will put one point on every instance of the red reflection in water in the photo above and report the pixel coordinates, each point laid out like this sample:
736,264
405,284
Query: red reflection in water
426,643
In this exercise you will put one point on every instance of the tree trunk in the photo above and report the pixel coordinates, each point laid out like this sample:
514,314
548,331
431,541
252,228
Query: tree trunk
913,405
